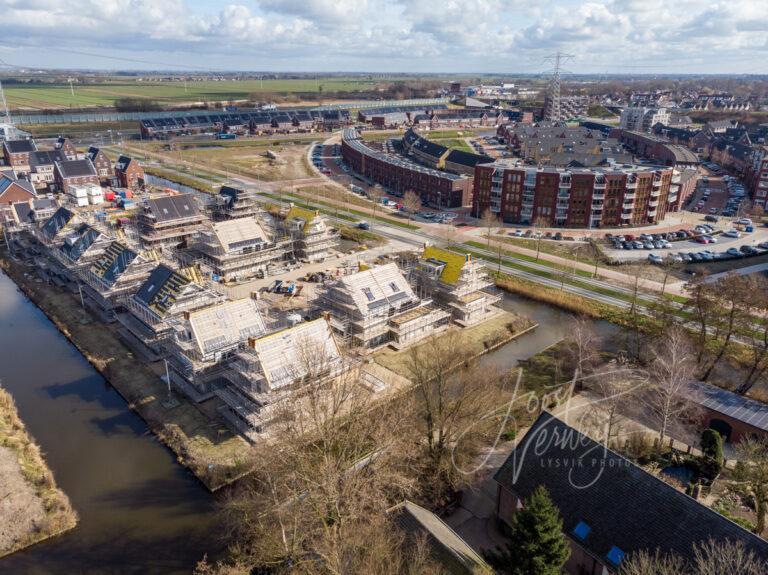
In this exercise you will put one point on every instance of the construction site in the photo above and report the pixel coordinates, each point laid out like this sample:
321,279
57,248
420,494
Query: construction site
198,287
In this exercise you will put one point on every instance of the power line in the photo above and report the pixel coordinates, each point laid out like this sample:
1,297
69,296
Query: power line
552,110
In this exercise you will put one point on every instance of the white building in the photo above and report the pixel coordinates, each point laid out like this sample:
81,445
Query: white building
639,119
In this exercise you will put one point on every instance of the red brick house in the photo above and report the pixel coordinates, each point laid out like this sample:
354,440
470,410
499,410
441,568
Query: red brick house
74,173
101,163
733,416
13,191
67,148
16,154
610,507
129,172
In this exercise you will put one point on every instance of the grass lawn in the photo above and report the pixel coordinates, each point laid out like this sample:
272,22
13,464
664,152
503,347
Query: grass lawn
476,340
59,96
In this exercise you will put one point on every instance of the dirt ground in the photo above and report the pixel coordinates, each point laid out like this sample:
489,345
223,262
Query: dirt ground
21,510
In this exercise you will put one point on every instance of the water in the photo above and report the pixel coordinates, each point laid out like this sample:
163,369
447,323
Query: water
140,512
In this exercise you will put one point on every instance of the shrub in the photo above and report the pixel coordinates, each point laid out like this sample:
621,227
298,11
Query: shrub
712,446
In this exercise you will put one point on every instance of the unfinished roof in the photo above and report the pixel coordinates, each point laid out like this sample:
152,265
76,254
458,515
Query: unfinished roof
57,222
113,262
162,289
738,407
623,506
291,354
297,212
239,233
377,287
226,325
169,208
77,244
454,263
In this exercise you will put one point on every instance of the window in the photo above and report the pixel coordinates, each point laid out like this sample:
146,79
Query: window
394,287
368,293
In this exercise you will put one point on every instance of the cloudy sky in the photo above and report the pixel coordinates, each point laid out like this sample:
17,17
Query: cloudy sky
651,36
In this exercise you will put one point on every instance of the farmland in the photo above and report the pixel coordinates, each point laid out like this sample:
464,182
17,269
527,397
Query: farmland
59,96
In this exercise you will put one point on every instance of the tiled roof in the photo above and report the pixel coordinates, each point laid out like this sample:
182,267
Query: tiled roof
20,146
76,168
623,505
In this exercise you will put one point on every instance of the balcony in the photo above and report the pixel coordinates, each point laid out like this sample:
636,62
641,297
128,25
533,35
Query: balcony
653,203
652,212
631,184
565,184
598,194
655,193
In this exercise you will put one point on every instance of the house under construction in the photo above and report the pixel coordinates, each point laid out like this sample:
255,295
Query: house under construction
270,373
376,306
458,282
81,246
234,203
204,341
116,274
313,238
239,249
169,221
164,295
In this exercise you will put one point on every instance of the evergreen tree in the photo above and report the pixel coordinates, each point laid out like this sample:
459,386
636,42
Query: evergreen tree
712,446
537,545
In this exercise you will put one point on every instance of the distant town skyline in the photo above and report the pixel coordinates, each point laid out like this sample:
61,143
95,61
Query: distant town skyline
472,36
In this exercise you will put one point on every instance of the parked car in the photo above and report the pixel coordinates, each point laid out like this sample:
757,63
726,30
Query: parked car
655,259
748,250
744,222
517,233
733,252
712,218
732,234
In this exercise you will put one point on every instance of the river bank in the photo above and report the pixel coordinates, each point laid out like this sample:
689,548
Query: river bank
210,451
32,507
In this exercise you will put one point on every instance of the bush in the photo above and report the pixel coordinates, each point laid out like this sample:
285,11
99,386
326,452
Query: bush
712,446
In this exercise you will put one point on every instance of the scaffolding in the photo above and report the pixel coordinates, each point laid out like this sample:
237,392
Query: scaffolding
313,239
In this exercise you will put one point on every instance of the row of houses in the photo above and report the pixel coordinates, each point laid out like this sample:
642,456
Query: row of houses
254,122
61,167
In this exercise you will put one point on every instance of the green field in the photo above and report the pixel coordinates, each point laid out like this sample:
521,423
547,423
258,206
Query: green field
47,96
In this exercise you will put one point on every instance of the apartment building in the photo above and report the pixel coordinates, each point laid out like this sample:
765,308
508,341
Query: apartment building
759,175
641,119
575,198
377,306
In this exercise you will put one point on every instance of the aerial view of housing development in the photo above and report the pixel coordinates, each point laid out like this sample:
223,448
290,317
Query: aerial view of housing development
372,287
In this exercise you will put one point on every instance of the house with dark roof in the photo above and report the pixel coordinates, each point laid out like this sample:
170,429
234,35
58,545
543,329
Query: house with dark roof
74,173
129,172
32,212
16,154
169,220
66,147
610,507
42,166
461,162
101,163
57,224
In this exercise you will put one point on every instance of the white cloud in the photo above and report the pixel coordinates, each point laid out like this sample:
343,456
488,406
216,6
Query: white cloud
390,35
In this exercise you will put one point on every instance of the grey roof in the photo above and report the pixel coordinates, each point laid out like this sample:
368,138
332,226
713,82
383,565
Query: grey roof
20,146
623,505
169,208
454,554
76,168
733,405
467,158
46,157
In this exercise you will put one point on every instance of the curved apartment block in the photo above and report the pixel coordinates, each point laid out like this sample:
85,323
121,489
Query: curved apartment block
399,174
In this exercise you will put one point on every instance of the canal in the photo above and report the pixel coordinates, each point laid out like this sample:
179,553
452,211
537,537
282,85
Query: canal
140,512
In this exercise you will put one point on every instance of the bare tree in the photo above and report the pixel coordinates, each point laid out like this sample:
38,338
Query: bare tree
752,472
656,563
375,193
671,369
709,558
488,220
449,399
726,558
583,345
412,203
756,334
